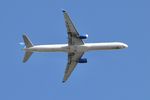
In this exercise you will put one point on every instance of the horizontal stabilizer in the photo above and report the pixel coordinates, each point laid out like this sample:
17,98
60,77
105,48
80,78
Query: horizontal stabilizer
27,41
27,56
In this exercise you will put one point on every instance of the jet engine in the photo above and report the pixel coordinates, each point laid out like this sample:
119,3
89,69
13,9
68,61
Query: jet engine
82,60
83,36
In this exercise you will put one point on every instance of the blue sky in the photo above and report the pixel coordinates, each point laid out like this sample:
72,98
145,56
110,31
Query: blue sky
108,75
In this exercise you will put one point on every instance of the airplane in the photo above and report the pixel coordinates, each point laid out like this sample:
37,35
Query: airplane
75,48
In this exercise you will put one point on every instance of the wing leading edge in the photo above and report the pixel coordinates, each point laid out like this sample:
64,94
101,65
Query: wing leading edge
73,35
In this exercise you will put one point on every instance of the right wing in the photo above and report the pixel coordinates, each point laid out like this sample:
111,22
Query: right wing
72,62
73,35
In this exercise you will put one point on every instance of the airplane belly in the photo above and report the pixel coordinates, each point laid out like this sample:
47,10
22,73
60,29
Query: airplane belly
76,48
49,48
102,46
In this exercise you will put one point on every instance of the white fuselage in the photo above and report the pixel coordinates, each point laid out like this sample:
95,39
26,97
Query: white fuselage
76,48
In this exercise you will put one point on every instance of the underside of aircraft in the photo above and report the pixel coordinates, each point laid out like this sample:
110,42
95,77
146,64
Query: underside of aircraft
75,48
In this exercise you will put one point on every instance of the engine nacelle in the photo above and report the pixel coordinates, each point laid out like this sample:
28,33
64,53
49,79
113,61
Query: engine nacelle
83,36
82,60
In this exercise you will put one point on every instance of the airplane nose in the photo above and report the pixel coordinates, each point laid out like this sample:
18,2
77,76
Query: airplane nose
125,45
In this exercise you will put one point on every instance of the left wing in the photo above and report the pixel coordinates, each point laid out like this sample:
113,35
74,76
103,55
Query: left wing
72,62
73,35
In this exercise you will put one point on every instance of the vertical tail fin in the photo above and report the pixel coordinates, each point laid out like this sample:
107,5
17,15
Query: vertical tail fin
28,44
